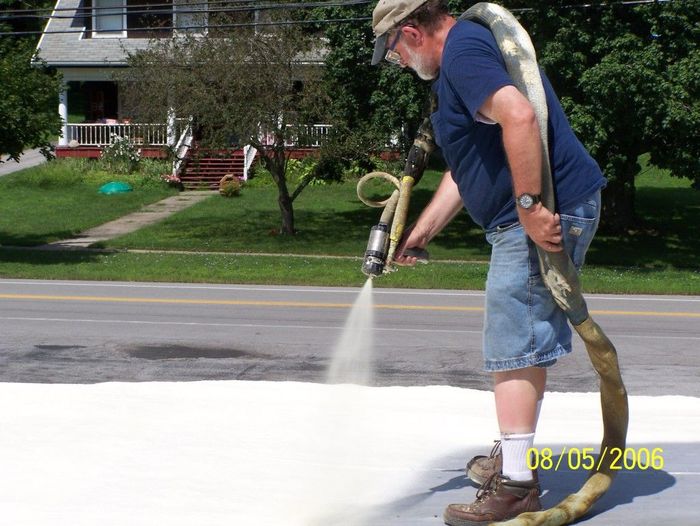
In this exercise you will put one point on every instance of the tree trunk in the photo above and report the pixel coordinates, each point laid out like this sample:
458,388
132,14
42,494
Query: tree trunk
286,209
618,216
276,164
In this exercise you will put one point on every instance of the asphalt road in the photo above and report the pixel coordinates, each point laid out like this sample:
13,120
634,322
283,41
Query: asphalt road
86,332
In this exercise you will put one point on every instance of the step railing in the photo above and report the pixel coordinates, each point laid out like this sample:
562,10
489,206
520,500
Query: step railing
249,153
181,149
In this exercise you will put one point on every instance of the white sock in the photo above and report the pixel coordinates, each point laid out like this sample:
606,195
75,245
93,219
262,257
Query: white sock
515,447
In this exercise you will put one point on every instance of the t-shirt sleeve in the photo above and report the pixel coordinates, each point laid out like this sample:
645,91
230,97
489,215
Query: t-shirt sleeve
475,70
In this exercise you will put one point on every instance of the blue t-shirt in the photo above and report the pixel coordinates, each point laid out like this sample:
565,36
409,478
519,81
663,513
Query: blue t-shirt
472,70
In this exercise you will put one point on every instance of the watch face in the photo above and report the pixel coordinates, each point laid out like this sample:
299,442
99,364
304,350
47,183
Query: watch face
526,200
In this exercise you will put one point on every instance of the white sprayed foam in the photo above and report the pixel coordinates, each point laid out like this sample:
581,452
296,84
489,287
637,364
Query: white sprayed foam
236,453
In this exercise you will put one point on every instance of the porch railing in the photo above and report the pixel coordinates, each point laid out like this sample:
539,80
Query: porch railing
305,136
94,134
312,135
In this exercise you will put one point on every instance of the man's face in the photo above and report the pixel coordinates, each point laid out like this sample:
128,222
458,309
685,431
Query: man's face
405,55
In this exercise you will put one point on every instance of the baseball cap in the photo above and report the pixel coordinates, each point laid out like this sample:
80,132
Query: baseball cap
386,15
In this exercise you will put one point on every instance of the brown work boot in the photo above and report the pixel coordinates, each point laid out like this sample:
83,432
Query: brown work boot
480,468
498,499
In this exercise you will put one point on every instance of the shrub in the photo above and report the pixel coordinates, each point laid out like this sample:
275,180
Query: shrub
300,169
120,156
355,171
394,167
259,176
230,186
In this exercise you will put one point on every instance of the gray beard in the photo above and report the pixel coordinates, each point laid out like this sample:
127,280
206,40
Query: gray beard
418,64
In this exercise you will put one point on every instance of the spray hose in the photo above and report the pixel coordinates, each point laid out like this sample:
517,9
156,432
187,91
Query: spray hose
386,235
557,270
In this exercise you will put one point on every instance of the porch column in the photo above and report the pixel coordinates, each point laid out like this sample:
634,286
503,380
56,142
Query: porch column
172,132
63,112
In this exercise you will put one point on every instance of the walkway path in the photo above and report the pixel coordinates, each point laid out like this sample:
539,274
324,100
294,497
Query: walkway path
125,225
28,159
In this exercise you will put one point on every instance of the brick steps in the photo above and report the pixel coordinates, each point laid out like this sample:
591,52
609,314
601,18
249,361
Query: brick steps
205,167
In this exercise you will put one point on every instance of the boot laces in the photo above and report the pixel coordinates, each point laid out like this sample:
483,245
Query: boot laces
496,449
488,488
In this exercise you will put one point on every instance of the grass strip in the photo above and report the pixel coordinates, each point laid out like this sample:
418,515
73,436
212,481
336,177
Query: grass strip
311,271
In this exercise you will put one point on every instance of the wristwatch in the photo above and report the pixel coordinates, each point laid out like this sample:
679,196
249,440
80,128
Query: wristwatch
526,201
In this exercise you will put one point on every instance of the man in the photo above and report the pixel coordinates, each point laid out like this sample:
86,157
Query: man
490,138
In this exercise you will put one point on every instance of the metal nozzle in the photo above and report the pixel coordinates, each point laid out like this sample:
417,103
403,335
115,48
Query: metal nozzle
375,255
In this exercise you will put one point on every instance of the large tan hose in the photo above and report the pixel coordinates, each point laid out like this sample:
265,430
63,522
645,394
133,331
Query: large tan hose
560,277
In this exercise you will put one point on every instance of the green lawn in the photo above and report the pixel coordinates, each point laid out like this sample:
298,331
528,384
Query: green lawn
60,199
662,256
306,270
329,219
667,233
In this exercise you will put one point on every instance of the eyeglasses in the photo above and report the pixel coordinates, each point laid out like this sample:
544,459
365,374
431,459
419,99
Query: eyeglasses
393,57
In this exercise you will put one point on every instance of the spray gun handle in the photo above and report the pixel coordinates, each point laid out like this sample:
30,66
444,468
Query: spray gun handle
419,253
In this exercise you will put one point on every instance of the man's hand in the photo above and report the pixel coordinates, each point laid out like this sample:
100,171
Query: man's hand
441,209
412,238
543,227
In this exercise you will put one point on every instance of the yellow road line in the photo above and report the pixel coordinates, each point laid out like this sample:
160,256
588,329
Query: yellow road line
647,313
253,303
309,304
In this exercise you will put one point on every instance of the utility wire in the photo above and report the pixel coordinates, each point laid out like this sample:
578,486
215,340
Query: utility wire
201,26
233,3
260,23
162,4
146,9
346,3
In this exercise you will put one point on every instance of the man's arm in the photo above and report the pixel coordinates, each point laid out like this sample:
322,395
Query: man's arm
442,208
522,143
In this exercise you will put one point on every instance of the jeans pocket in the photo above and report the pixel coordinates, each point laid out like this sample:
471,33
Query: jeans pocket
506,228
578,226
498,234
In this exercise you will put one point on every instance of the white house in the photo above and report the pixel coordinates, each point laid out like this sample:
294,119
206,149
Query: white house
88,41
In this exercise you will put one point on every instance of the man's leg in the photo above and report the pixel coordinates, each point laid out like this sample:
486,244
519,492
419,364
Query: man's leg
503,496
518,393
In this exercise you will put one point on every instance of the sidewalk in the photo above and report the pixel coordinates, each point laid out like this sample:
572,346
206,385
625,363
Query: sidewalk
125,225
28,159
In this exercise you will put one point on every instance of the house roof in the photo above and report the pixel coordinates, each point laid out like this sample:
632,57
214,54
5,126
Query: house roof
73,49
63,43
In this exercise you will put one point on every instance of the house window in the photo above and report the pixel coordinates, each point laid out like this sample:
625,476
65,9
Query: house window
191,16
108,18
149,18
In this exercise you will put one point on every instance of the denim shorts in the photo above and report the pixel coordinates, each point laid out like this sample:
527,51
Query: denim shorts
523,327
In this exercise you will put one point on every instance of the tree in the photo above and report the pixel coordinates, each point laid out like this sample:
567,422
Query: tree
370,105
629,79
28,94
243,86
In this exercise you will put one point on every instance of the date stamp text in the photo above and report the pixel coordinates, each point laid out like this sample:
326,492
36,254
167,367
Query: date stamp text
616,458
